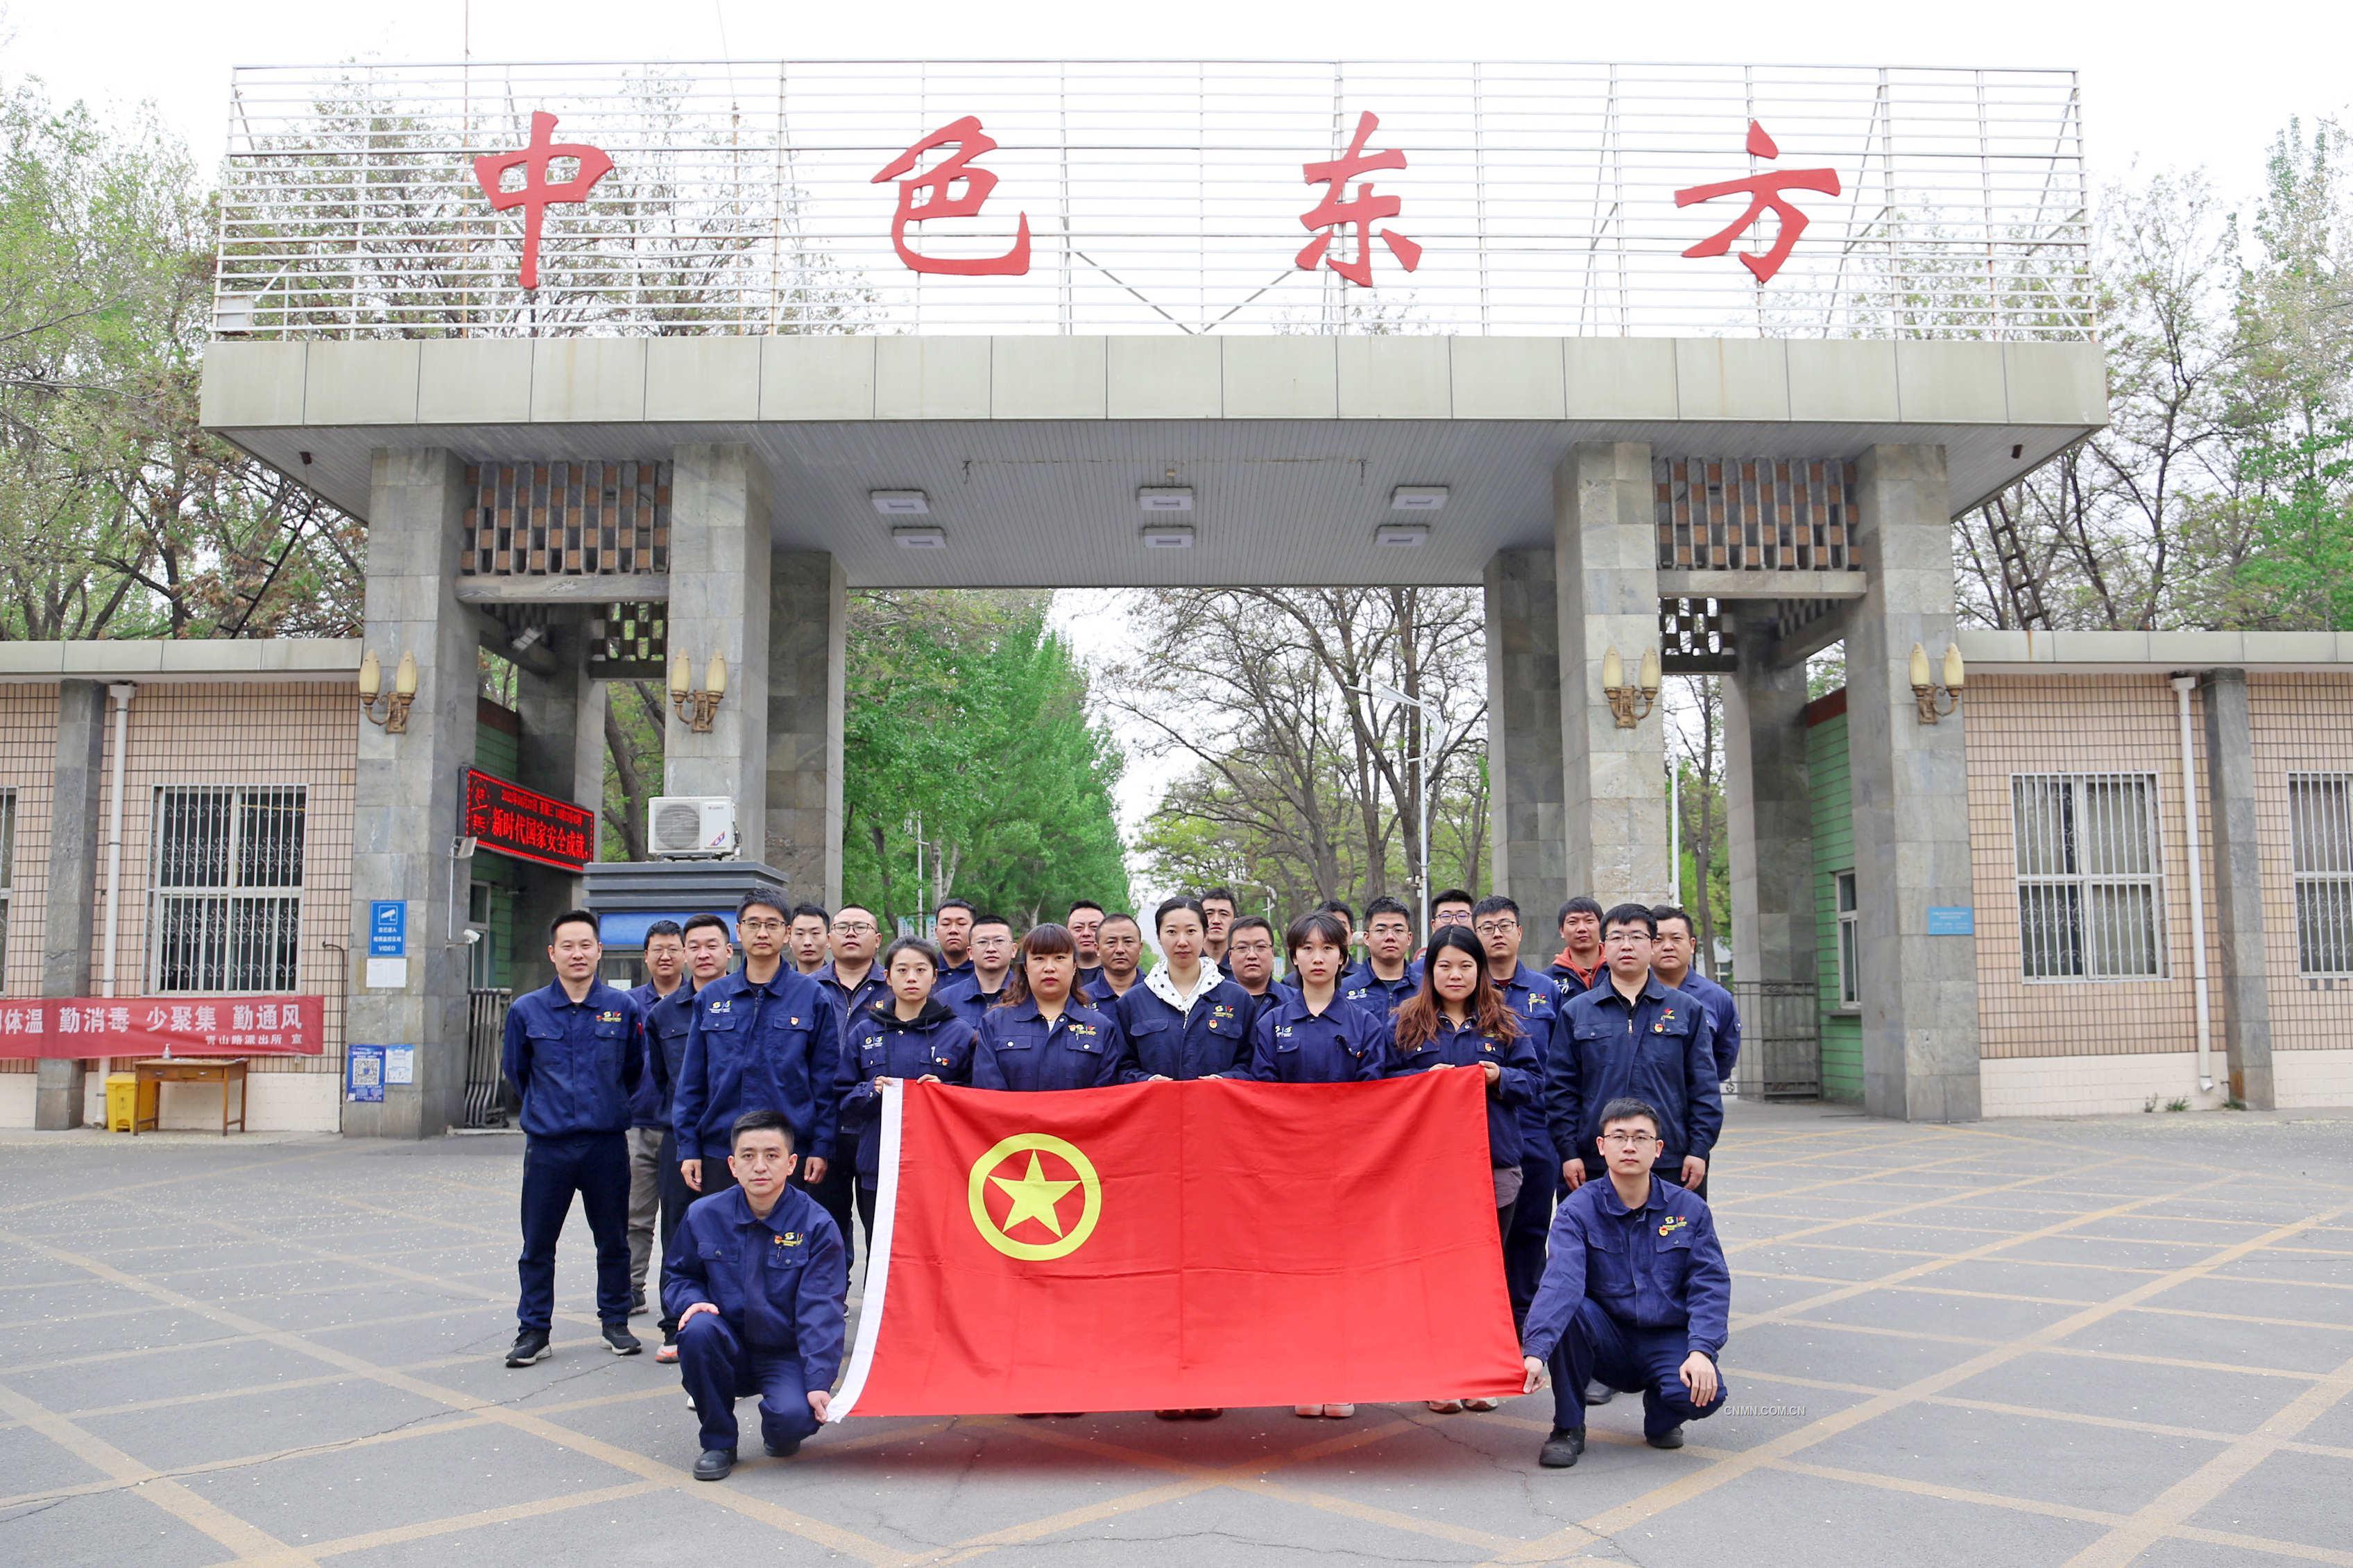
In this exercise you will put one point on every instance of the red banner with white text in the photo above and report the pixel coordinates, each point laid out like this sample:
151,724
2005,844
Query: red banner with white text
152,1026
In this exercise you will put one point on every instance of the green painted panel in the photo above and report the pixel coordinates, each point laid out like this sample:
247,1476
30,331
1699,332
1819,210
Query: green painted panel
496,751
1826,756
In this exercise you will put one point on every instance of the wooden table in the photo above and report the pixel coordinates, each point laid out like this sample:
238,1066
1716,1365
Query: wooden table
222,1070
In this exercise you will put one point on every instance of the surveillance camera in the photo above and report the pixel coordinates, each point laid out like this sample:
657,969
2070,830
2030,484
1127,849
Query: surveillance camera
472,937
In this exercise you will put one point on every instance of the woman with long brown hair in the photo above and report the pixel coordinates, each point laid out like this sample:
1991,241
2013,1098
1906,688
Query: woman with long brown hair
1458,1019
1041,1035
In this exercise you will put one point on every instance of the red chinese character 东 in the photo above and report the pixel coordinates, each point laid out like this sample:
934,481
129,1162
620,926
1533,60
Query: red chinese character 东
1333,216
934,194
1764,193
536,194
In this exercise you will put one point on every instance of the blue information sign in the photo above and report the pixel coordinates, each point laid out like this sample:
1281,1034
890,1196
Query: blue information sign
364,1074
1952,919
387,929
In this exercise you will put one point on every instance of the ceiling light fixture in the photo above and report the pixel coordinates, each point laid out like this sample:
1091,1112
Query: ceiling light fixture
1417,497
920,537
1402,535
1168,536
901,503
1165,498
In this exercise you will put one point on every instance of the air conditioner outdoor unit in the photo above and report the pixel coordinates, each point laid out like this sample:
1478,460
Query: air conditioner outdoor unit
691,826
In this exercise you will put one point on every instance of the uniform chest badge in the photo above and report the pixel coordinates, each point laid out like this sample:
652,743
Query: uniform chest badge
792,1238
1283,1032
725,1004
1673,1224
610,1016
1087,1029
795,1021
1221,1011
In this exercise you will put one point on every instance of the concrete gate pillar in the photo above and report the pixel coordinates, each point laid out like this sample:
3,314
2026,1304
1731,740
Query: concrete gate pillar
1605,571
77,823
806,682
562,753
1911,801
1770,804
406,810
718,562
1526,821
2238,886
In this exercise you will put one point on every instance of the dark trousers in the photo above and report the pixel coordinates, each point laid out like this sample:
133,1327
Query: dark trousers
1599,1348
597,1167
1524,1242
866,1195
718,1369
675,1195
837,1196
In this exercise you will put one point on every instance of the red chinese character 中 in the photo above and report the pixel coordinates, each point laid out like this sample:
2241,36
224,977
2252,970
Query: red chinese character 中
536,194
943,200
1333,216
1764,192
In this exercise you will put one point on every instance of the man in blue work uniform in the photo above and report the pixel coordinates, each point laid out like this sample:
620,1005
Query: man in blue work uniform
1535,1001
671,1019
1385,979
574,1050
952,935
1250,963
767,1037
992,960
856,982
1635,1295
1670,962
665,975
1086,923
757,1284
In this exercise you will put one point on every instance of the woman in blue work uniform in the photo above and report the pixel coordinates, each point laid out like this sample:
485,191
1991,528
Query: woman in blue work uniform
1041,1035
1458,1019
1310,1035
904,1035
1185,1021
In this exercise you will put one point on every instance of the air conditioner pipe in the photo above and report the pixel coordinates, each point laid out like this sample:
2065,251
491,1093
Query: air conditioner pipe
2181,687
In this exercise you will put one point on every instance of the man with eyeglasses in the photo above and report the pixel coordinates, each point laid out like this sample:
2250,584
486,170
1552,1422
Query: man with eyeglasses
853,983
1385,979
1249,961
992,960
767,1037
1636,1295
1535,1001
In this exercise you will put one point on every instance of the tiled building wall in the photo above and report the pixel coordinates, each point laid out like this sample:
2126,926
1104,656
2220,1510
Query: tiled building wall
2077,724
249,734
28,760
2302,724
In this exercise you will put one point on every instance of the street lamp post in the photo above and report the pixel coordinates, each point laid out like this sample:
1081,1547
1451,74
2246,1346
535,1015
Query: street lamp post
1430,710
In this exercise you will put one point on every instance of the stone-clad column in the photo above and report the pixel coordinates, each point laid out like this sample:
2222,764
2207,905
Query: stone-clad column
718,562
1525,815
77,824
2238,886
405,813
1770,803
1911,801
1605,559
562,753
806,684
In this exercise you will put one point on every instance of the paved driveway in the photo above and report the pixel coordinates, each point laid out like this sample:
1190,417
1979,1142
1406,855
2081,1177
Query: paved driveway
2126,1341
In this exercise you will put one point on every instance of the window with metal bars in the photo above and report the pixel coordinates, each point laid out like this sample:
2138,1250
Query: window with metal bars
1849,940
2320,831
227,888
2089,886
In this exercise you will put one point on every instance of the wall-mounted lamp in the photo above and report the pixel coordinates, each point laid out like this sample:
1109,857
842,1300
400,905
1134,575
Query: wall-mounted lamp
697,707
1936,700
389,709
1631,704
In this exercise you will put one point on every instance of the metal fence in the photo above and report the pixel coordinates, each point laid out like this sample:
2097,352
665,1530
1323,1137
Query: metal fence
1161,196
486,1024
1780,1040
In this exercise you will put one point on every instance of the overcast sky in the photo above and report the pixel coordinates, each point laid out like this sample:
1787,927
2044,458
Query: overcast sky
2164,84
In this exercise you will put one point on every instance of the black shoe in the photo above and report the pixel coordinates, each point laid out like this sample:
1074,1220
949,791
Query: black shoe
1562,1449
1672,1437
618,1339
1205,1414
714,1464
531,1345
1599,1394
783,1450
638,1308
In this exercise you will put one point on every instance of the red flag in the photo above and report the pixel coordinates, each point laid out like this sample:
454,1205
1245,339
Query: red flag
1182,1244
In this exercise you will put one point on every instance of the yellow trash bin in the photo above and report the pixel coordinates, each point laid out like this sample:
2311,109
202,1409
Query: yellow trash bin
121,1088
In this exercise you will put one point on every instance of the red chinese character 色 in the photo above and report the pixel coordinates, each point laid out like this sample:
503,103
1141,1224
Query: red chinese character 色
945,201
1333,216
1764,192
537,192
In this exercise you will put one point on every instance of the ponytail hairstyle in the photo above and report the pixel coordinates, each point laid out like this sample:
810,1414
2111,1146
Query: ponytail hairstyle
1038,941
1417,1017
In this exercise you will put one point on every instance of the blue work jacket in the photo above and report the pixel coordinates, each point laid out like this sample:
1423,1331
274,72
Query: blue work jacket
668,1023
779,1282
759,1047
1210,1041
952,972
1659,1049
1465,1046
574,1064
848,999
1656,1268
1343,1044
1099,995
1535,1000
1018,1049
1376,996
1570,982
1723,1012
936,1042
965,999
646,1107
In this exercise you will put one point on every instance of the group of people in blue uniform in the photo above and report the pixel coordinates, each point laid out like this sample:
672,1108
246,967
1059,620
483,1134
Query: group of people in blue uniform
738,1105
